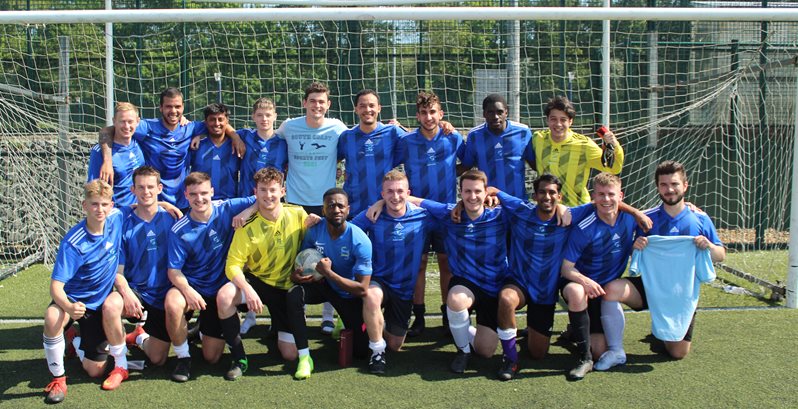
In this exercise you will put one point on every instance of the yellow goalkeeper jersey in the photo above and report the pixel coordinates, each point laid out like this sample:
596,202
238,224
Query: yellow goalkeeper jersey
571,161
267,248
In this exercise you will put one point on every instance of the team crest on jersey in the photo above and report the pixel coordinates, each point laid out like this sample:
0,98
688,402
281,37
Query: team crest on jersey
152,243
344,253
431,156
398,233
469,230
368,147
278,239
215,241
498,151
616,243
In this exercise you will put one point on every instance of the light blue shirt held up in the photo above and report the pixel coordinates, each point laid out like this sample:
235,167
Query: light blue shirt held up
672,268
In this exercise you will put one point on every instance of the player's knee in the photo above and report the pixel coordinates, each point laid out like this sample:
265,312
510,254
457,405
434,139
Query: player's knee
225,296
678,350
373,299
113,305
174,304
457,301
508,299
614,290
158,358
54,319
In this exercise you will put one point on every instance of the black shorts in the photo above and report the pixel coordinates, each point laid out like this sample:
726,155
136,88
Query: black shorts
155,322
396,310
487,306
435,242
155,325
274,299
637,282
209,323
593,311
92,334
539,317
349,309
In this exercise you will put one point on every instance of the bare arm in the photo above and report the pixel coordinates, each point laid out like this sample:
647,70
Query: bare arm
133,307
569,272
75,310
239,148
193,299
254,302
106,141
643,221
357,288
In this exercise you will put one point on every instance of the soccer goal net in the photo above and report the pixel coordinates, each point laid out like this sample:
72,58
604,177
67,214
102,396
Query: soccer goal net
717,94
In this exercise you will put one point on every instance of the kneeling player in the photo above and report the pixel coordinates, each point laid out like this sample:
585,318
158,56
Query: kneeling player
346,268
398,238
198,245
597,252
143,263
267,245
672,218
535,255
83,275
477,248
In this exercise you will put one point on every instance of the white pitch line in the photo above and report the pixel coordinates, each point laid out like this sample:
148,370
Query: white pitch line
39,321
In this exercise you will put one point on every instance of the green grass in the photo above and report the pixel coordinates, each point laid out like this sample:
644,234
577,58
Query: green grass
740,359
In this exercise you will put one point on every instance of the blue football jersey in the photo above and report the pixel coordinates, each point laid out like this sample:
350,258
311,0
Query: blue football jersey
536,247
686,223
144,255
87,263
431,165
397,247
125,160
167,151
501,157
368,158
260,153
477,249
600,251
350,253
220,163
199,250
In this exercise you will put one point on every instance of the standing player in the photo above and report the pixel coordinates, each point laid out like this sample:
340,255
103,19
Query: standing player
143,263
312,145
80,287
430,161
198,245
672,218
126,155
370,150
214,155
346,268
165,143
264,149
398,237
499,148
569,155
597,252
266,246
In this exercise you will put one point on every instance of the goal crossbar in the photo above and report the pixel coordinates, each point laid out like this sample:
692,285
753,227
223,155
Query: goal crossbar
396,13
